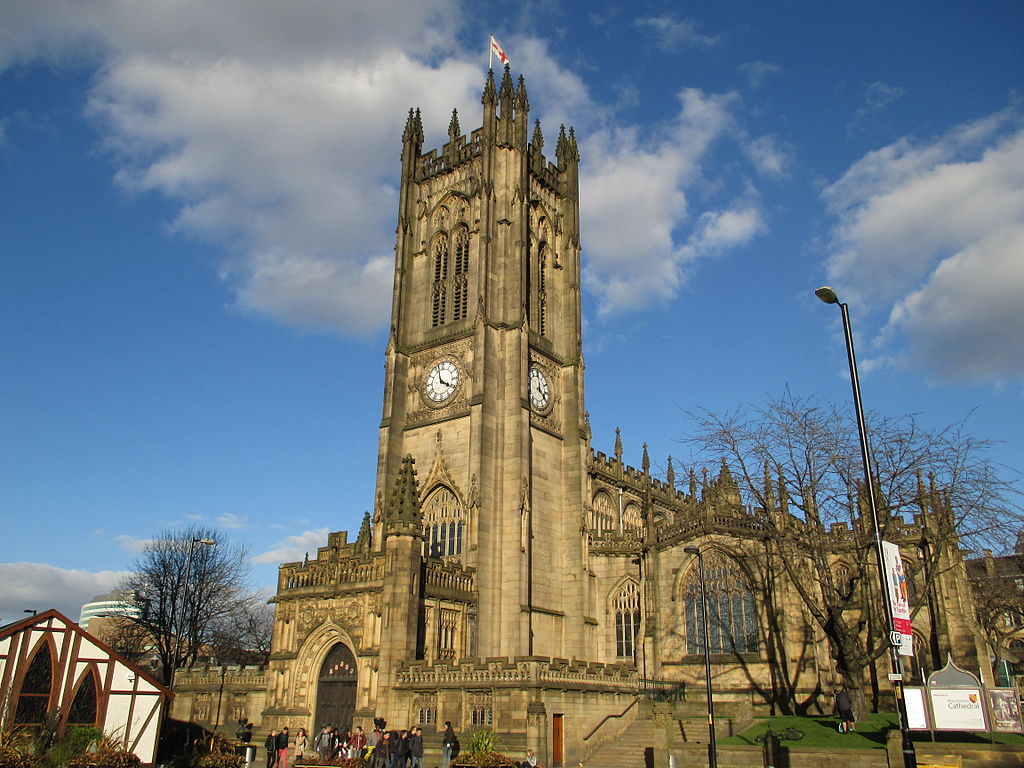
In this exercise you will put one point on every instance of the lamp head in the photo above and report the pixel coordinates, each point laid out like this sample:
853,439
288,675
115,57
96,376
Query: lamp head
691,550
826,294
207,542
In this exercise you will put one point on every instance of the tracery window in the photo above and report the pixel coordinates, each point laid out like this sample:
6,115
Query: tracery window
602,518
732,621
542,279
627,620
34,699
425,706
450,285
481,708
447,631
632,523
442,524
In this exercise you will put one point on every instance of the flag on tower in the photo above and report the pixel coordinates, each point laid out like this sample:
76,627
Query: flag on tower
496,51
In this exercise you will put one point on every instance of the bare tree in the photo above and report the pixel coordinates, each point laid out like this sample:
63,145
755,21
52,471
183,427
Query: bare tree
182,618
243,637
797,464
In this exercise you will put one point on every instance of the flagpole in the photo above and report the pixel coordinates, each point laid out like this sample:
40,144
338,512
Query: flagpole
490,54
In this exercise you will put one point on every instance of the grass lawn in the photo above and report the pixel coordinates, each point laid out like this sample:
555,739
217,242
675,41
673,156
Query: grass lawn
820,732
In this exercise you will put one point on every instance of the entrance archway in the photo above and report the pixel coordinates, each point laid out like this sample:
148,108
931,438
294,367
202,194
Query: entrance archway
336,689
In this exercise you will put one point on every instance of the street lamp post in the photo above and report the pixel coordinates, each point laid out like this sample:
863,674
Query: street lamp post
828,296
712,747
179,627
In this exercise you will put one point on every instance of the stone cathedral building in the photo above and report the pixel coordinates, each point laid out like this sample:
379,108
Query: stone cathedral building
509,575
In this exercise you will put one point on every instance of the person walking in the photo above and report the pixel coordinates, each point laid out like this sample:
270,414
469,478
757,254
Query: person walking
447,742
271,746
301,742
844,707
282,748
322,745
415,742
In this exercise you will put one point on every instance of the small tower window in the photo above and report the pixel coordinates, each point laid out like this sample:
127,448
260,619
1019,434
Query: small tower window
442,524
450,286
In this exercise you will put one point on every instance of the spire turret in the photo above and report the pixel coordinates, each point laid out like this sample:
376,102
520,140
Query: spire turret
404,504
645,461
670,475
506,95
537,142
490,91
522,102
453,127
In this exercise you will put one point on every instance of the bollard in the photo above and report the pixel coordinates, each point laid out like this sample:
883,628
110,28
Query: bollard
770,751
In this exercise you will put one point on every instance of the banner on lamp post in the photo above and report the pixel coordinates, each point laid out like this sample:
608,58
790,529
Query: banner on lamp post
899,598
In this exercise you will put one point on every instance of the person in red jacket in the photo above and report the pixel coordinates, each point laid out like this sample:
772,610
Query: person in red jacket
356,743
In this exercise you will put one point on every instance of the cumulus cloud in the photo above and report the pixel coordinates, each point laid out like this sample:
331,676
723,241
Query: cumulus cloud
276,134
35,586
640,232
671,34
930,234
757,72
132,544
294,548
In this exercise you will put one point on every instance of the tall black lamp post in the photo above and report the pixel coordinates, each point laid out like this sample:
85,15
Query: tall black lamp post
180,627
828,296
712,747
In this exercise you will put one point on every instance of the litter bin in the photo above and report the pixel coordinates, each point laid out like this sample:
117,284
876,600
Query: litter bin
771,752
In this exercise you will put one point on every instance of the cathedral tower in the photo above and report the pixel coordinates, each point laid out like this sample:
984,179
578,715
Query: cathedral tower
484,374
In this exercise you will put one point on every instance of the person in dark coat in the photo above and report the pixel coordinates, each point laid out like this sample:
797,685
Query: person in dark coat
447,742
845,709
415,742
271,746
282,748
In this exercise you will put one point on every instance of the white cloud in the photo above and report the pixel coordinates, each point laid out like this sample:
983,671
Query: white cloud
757,72
276,134
294,548
231,520
131,543
635,203
671,33
930,234
35,586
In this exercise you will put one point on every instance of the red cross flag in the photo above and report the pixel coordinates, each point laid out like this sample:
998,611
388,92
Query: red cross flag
496,51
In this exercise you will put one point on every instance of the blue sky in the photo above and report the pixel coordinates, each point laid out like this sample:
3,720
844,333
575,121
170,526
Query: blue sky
198,211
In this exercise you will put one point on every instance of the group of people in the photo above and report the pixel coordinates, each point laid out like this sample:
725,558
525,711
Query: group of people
332,744
381,748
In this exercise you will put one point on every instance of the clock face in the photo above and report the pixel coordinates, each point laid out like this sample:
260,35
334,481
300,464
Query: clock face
540,392
442,381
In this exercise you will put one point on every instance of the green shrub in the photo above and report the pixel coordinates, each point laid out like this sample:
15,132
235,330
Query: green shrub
12,758
111,758
219,759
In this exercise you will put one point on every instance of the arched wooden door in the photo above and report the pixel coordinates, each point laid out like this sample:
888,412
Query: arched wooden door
336,689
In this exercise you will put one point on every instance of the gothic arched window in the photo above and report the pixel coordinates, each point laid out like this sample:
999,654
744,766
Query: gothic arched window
542,287
83,706
442,524
440,284
601,518
34,698
632,523
449,297
627,619
732,621
460,279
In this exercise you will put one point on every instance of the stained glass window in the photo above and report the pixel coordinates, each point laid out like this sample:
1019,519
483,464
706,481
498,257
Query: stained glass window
34,699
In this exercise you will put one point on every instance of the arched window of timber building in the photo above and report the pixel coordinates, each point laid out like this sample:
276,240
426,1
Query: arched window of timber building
83,706
34,697
442,524
627,619
602,520
732,621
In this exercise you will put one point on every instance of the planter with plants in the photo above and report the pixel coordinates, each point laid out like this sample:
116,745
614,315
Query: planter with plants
482,752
